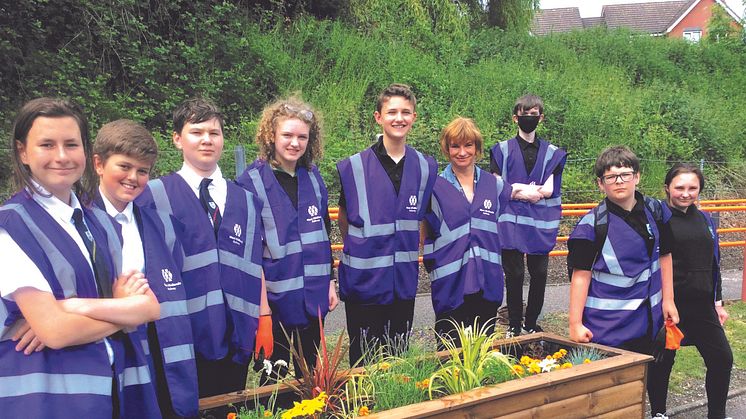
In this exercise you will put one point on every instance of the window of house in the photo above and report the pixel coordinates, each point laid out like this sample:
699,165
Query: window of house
693,35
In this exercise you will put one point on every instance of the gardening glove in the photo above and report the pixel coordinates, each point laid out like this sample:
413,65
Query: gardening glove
264,340
673,336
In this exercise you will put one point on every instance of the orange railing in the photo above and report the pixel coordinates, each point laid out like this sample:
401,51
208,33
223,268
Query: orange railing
577,210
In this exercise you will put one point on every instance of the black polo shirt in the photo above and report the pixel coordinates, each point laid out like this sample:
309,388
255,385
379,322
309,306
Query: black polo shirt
529,151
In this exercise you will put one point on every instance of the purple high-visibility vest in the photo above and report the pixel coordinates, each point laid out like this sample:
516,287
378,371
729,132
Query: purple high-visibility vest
76,381
464,256
379,260
530,228
625,288
222,278
163,263
297,252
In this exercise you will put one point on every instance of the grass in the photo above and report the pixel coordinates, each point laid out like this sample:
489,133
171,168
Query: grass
689,365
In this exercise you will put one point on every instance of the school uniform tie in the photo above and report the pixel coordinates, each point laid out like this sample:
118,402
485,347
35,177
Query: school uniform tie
209,205
100,270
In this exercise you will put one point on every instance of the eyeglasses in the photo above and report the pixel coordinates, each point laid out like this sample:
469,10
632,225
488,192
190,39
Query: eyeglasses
304,113
612,179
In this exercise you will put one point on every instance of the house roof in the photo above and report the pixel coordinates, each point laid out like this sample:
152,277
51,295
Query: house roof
592,22
548,21
644,17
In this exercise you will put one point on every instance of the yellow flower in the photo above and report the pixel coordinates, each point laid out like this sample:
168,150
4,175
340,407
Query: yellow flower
586,361
518,370
363,411
455,373
267,414
526,360
557,355
549,357
534,368
384,366
566,365
306,407
422,385
563,351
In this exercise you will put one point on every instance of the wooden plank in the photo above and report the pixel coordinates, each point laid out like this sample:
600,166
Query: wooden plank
615,398
573,407
634,411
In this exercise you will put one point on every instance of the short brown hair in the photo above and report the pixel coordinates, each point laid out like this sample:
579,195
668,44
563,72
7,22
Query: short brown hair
50,108
290,108
528,102
459,131
619,156
396,89
125,137
194,111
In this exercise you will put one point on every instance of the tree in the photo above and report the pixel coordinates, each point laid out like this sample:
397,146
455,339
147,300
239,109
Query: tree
511,14
720,28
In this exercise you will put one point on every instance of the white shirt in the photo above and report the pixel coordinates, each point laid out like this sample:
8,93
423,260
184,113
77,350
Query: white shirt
18,269
133,256
218,188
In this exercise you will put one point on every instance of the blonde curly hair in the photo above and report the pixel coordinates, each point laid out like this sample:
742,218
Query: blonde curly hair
290,108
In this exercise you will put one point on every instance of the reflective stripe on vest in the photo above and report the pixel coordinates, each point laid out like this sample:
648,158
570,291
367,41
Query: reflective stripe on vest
63,270
39,382
456,265
134,376
628,305
112,238
521,219
178,353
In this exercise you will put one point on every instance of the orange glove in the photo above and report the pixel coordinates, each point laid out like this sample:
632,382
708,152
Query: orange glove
264,340
673,336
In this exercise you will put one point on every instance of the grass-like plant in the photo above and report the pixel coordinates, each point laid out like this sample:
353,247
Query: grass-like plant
402,379
583,355
472,365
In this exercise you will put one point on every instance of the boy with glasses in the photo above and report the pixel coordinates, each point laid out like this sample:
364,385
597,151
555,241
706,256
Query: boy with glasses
622,284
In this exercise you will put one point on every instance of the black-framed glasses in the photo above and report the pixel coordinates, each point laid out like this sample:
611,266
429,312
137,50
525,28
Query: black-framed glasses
612,179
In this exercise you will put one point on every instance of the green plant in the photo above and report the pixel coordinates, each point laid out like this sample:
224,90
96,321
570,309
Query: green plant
583,354
326,376
469,366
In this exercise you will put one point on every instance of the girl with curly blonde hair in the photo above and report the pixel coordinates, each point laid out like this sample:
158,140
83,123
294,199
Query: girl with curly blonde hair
298,272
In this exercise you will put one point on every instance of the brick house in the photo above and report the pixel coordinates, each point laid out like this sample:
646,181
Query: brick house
686,19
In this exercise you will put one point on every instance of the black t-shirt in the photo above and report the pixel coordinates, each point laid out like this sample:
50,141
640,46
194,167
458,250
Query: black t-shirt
393,169
582,253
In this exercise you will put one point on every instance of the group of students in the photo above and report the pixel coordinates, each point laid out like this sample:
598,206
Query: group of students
131,297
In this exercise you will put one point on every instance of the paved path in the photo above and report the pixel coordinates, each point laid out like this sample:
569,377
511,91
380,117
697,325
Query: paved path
556,300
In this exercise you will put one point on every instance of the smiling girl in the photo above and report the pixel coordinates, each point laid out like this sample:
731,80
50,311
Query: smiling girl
297,254
60,351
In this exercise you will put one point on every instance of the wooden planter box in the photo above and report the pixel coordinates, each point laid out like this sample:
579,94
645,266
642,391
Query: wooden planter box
609,388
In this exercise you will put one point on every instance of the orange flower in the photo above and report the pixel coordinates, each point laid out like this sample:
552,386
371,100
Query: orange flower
231,415
364,411
267,414
405,378
422,385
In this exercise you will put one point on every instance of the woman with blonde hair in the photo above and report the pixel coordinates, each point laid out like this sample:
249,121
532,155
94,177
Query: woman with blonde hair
297,259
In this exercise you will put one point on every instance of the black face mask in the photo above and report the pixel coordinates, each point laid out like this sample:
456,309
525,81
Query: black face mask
528,123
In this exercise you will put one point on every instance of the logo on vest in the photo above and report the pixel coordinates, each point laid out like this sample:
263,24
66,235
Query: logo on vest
412,203
486,210
236,237
313,212
168,279
211,204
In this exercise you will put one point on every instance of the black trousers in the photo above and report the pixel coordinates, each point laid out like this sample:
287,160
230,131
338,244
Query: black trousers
473,307
657,380
701,327
512,261
372,325
220,376
305,339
